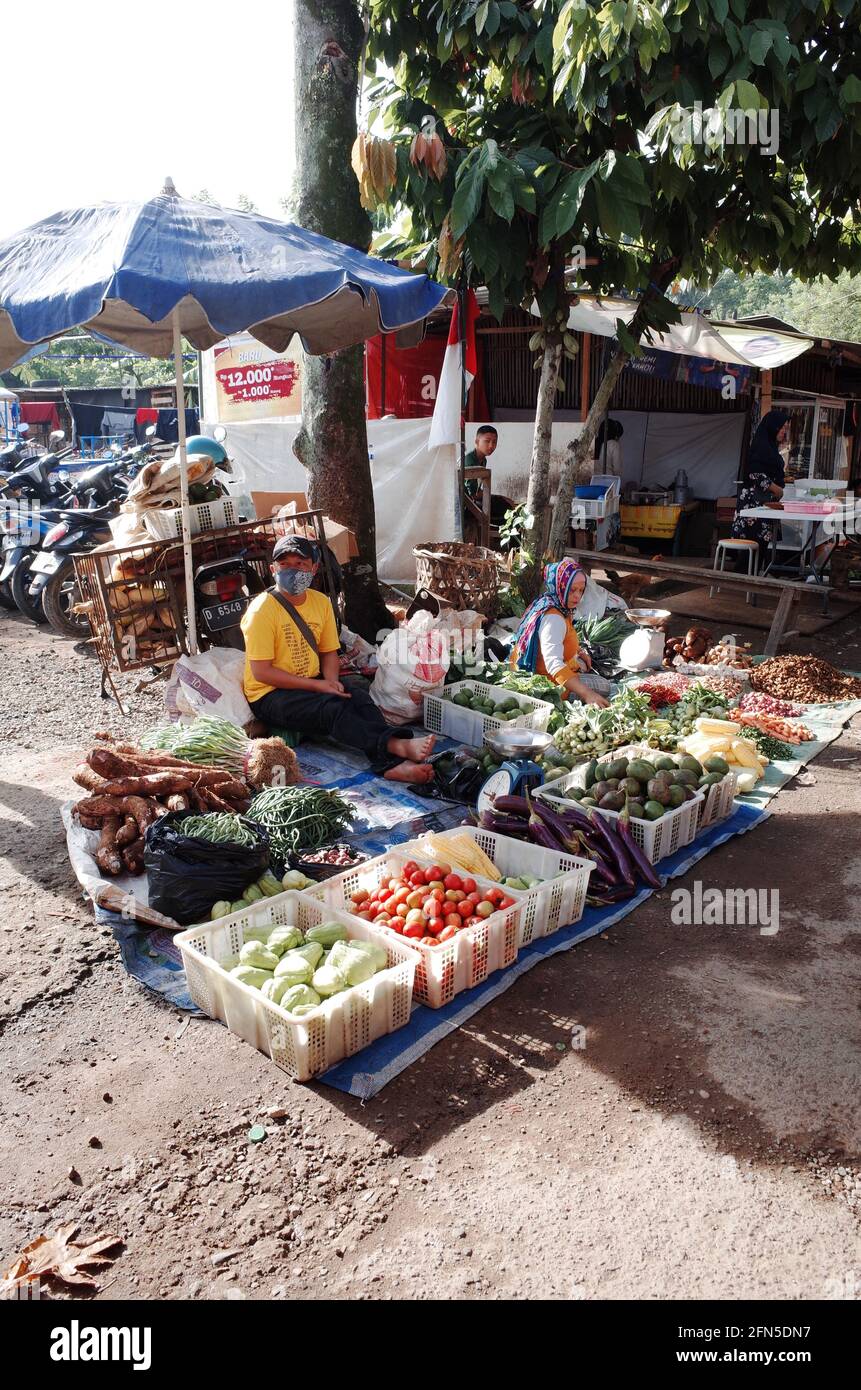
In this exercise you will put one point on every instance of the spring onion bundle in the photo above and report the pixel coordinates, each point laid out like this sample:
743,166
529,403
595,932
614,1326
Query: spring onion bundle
299,817
212,742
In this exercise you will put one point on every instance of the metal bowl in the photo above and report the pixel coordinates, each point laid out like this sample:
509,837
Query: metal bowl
518,743
648,617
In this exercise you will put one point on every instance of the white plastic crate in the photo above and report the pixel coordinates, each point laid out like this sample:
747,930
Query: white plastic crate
442,716
657,838
340,1027
166,525
450,967
556,903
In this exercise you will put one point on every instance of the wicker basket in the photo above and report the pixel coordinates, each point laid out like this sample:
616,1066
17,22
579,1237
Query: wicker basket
466,576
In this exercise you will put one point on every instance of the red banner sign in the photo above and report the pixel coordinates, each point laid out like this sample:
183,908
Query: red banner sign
259,381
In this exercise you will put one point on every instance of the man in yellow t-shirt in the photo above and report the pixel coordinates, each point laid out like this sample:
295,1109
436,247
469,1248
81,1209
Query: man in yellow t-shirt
292,671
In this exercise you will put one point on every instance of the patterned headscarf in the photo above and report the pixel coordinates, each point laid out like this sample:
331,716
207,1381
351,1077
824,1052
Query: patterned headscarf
558,580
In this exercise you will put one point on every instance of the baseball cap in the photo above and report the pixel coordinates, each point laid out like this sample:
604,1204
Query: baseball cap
296,545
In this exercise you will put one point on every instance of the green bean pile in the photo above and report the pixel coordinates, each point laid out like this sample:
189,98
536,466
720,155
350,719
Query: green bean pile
299,817
220,828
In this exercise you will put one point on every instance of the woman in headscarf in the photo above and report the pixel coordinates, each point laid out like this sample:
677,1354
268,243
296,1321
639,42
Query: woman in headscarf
764,479
546,643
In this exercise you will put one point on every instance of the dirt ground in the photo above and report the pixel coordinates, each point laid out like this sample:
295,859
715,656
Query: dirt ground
703,1143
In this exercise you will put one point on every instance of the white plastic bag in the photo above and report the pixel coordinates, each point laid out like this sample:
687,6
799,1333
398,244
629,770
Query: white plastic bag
209,683
413,661
596,600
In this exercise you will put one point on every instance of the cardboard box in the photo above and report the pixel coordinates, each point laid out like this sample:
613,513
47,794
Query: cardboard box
341,540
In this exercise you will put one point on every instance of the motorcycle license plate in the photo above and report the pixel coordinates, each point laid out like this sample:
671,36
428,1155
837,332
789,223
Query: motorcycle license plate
224,614
44,564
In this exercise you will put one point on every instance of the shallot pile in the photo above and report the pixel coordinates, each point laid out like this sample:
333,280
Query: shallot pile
756,703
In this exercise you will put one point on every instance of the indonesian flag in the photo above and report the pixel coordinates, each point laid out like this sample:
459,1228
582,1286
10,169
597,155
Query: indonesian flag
445,425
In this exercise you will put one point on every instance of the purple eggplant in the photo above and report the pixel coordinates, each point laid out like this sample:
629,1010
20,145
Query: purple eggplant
541,834
511,805
609,896
551,818
618,849
642,866
504,825
603,877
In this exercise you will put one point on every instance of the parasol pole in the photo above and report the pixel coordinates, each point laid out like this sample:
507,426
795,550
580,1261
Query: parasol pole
191,616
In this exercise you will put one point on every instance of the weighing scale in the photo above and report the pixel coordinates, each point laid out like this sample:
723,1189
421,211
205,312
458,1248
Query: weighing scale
518,773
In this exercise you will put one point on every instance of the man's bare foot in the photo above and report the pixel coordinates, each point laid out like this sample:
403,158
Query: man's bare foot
416,749
410,772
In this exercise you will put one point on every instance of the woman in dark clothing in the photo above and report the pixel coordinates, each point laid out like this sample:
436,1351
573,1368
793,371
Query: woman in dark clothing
764,479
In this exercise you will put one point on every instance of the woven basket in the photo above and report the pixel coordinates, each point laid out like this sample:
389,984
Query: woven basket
466,576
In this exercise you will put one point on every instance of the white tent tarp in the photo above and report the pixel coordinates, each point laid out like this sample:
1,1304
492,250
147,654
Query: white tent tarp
694,336
415,487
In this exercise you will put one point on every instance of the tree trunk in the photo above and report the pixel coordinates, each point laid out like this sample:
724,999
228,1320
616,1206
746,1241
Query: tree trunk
538,496
659,277
333,441
578,450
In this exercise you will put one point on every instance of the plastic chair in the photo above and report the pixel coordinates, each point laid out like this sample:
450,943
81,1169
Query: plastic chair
751,548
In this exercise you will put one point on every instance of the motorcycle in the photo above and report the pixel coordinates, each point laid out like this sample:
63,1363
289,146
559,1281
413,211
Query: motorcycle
14,452
223,590
29,498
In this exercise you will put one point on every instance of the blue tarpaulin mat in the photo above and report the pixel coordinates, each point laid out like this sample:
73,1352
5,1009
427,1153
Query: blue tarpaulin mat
389,814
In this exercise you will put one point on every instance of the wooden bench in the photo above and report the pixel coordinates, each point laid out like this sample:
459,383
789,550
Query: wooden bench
787,592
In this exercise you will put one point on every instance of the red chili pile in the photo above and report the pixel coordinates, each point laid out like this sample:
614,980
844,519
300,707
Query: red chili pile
664,689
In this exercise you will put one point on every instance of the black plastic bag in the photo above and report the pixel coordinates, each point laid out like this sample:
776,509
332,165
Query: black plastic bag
186,875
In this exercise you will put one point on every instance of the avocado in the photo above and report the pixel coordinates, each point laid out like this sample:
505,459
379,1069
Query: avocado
683,777
613,801
716,764
639,768
665,765
613,783
635,810
658,791
618,768
653,810
602,772
710,779
599,789
630,786
590,774
691,765
552,773
462,699
676,796
588,801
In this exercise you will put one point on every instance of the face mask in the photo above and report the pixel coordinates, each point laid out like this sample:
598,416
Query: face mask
293,581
